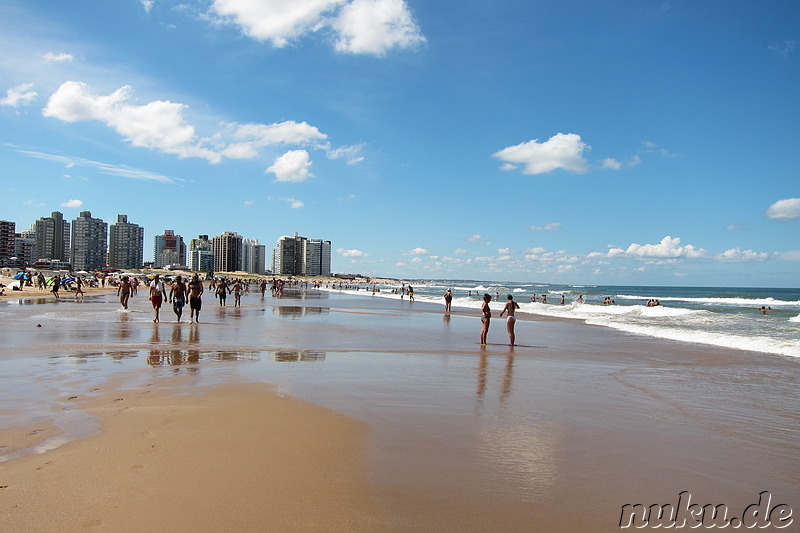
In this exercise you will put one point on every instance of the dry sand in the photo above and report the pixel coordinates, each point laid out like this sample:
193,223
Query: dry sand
233,458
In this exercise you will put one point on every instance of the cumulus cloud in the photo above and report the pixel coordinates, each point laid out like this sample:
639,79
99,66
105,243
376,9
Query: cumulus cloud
418,251
293,167
668,248
474,238
744,256
550,226
147,5
19,96
359,26
563,150
157,125
785,209
351,253
72,203
375,27
50,57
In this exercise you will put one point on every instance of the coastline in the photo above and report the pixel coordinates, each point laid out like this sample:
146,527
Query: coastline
458,437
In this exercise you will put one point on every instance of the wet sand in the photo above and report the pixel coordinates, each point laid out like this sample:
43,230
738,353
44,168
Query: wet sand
429,430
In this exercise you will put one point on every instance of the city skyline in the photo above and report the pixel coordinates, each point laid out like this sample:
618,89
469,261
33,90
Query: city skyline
639,143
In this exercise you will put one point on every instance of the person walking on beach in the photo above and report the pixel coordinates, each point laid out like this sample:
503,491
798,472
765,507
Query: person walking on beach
448,299
486,317
124,291
511,307
177,295
195,291
78,287
237,293
222,291
56,285
157,295
410,293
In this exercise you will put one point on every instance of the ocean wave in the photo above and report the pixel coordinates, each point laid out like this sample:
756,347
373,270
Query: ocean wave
715,300
725,340
795,319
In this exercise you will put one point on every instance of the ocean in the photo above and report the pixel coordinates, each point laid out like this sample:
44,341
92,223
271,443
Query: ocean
729,317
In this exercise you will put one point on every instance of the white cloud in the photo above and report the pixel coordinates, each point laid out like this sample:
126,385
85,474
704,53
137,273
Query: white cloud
359,26
375,26
563,151
550,226
157,125
50,57
19,96
294,203
668,248
103,168
474,238
72,203
611,163
351,253
147,5
418,251
737,255
785,209
791,255
504,251
652,148
459,251
351,153
277,21
293,166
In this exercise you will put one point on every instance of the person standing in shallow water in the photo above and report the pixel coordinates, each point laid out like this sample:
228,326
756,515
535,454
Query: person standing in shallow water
157,296
486,317
195,289
511,307
448,300
177,295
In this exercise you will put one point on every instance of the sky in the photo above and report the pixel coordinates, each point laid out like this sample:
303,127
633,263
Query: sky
635,142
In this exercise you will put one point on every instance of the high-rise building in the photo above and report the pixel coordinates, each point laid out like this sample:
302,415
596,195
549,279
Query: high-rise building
317,257
253,256
125,244
300,256
52,237
227,250
201,258
169,249
89,242
7,235
25,247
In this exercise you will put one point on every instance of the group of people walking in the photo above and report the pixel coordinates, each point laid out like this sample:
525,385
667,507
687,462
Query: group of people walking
179,293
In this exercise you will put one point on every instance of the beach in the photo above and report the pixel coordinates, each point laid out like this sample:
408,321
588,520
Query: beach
327,411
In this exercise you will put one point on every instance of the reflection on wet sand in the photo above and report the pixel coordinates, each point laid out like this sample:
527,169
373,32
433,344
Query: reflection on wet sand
285,356
293,311
193,357
508,374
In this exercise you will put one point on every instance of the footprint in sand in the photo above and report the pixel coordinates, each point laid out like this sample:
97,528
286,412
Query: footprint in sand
36,432
46,465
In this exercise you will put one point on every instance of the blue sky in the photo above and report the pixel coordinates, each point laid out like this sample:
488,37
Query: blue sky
632,142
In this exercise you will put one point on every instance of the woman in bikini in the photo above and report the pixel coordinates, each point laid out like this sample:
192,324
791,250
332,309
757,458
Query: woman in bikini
487,315
511,306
